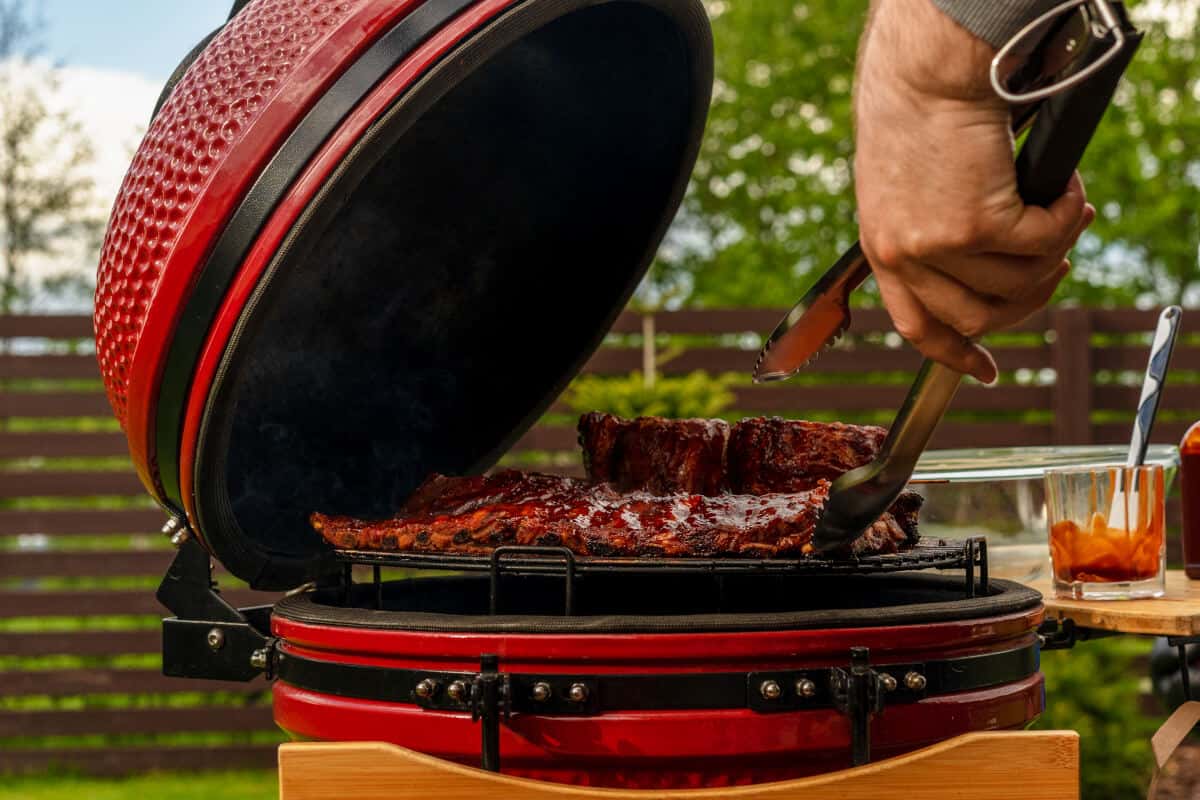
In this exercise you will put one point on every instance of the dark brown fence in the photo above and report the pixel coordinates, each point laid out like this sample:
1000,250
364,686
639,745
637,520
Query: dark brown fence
80,552
1081,368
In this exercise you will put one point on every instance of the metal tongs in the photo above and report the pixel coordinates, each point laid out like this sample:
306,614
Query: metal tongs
1071,60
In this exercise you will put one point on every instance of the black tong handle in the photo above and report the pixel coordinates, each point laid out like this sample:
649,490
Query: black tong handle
1060,134
1066,122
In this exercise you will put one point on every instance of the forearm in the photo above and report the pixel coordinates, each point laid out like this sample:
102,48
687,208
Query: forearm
995,21
912,46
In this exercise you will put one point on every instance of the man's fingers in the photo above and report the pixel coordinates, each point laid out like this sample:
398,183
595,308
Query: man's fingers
971,314
934,339
999,275
1012,313
967,312
1040,231
1089,216
1007,276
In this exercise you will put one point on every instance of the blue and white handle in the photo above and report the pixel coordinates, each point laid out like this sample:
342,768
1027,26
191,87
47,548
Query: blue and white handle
1156,376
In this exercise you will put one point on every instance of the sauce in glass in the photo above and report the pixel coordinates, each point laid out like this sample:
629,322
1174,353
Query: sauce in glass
1189,479
1100,554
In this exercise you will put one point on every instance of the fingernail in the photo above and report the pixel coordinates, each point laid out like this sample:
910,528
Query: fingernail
981,366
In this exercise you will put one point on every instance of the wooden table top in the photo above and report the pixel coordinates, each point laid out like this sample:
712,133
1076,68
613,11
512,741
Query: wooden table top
1175,614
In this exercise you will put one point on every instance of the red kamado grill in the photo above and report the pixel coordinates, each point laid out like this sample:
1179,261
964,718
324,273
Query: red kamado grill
368,240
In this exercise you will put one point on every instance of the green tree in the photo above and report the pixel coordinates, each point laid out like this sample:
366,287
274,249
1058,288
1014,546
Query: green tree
771,200
771,204
46,195
1143,171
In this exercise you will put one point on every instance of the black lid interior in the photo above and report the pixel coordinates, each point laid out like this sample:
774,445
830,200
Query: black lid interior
453,275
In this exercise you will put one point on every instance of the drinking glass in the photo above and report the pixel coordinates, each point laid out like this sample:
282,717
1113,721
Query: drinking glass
1092,555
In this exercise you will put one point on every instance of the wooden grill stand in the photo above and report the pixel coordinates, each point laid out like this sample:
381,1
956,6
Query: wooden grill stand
1040,765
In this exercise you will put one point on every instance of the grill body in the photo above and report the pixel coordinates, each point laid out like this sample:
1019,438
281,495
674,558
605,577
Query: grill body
673,707
368,240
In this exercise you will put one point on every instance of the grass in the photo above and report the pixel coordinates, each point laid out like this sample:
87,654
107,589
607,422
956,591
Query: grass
257,785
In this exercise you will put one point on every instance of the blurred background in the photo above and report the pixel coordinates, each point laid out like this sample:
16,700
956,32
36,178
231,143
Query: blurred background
83,709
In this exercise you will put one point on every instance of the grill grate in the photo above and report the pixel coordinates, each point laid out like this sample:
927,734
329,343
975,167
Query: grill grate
969,555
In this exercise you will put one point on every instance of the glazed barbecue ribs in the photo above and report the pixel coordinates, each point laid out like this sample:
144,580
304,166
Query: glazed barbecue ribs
781,455
655,487
655,455
473,516
702,456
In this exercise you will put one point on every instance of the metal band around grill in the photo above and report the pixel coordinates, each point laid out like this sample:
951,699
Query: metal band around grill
583,695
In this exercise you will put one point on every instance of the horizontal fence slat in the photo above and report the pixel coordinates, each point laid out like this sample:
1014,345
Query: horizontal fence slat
1135,320
54,404
80,643
46,326
62,367
83,563
75,682
90,522
1133,358
135,720
547,437
623,360
1165,432
120,761
948,435
100,603
1125,398
863,398
763,320
62,445
46,483
954,435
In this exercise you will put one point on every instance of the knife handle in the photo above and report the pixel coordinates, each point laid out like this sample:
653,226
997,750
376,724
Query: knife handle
1152,386
1066,122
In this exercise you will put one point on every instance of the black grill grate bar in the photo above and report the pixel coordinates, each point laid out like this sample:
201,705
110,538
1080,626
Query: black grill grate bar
934,554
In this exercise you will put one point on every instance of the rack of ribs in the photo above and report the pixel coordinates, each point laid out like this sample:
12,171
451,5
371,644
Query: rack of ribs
782,455
655,455
655,487
702,456
473,516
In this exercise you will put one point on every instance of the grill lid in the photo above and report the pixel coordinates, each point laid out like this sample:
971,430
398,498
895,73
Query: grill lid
429,256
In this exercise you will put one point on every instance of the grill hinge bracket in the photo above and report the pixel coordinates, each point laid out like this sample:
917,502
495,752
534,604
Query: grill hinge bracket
208,638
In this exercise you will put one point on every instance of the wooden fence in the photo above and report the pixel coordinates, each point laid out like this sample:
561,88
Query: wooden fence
80,552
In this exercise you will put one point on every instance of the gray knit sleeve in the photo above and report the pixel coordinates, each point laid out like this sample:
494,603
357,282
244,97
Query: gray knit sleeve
995,21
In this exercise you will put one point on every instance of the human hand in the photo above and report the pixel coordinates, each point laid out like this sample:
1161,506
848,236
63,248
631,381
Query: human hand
955,251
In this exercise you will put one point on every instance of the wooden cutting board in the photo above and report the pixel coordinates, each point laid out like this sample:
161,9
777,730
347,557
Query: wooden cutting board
1176,614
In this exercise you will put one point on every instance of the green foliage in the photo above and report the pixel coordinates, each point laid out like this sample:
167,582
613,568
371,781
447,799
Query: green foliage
1096,689
771,202
697,394
1143,171
261,785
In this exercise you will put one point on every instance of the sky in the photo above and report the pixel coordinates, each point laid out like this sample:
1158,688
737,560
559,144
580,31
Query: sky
144,37
115,56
